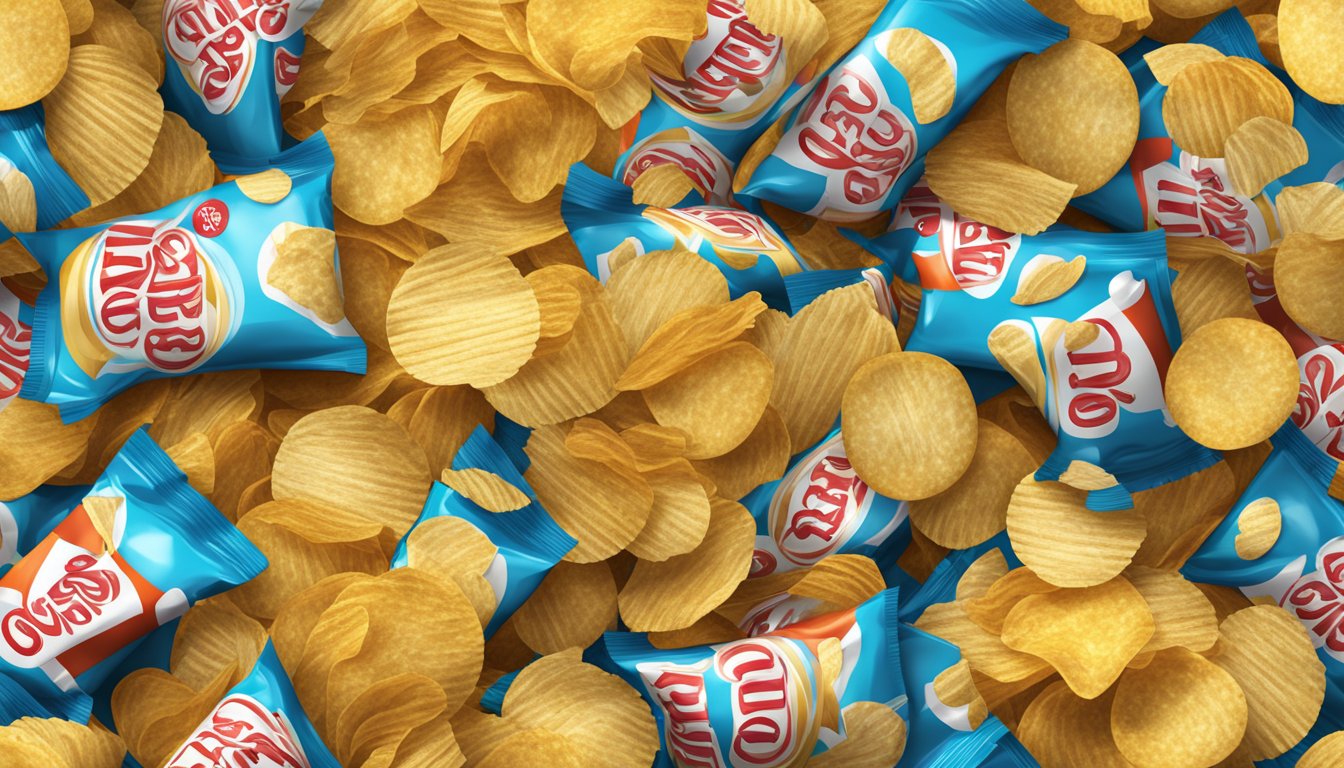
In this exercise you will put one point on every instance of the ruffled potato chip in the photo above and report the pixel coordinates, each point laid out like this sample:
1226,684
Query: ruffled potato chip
37,445
981,575
1208,101
717,400
32,742
688,336
875,737
1261,150
1227,412
1182,615
653,288
1180,709
488,490
18,202
1258,528
910,425
680,515
1048,280
1168,61
36,46
571,608
1065,543
991,608
984,650
762,457
1061,729
385,167
1208,290
1327,752
384,715
1307,272
927,71
663,186
1310,33
976,506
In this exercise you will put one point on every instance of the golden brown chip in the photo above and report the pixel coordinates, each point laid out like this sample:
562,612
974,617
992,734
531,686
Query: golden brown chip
762,457
68,744
1168,61
928,73
1060,728
1267,651
1258,528
461,315
976,506
910,425
1049,280
1181,514
383,167
874,738
811,369
1261,150
34,48
1325,753
102,513
18,202
1087,477
196,459
1307,275
1207,101
1065,543
688,336
650,290
1208,290
663,186
1015,349
984,650
1225,411
680,514
486,489
991,608
981,575
977,172
1180,709
305,270
1079,334
37,445
1073,112
674,593
1182,614
381,717
717,400
1310,35
572,607
558,301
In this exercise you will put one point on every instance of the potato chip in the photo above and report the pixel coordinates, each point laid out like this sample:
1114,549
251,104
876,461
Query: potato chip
976,506
1087,477
1227,412
977,172
196,458
603,508
305,270
355,459
1061,729
1258,528
488,490
1079,334
717,400
650,290
537,746
314,390
102,512
70,744
1015,349
153,741
450,547
674,593
1327,752
1261,150
1048,280
1207,101
18,203
762,457
840,581
490,309
571,608
1065,543
577,379
268,187
1182,614
558,301
1267,651
653,446
385,167
103,155
589,44
981,575
710,629
688,336
680,514
1181,709
910,425
36,46
1073,112
37,445
206,403
991,608
927,71
1309,35
875,737
1307,272
211,638
597,710
663,186
384,714
1208,290
1168,61
1181,514
984,650
812,370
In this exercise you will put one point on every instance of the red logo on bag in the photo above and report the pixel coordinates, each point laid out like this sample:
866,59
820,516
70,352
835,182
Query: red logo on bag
816,509
241,733
1320,399
15,343
969,254
286,71
850,127
75,600
704,165
210,218
733,60
1193,197
1317,599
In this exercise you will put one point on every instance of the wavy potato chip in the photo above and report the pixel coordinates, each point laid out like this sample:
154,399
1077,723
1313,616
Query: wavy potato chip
1048,280
976,506
1060,728
61,742
1226,411
1063,541
1307,273
1208,101
1183,616
717,400
1310,33
34,49
559,304
486,489
384,715
572,607
986,652
679,517
536,745
1258,528
927,71
875,737
18,202
1267,651
762,457
1324,753
688,336
981,575
663,186
676,592
463,316
1181,708
196,459
212,637
37,445
269,186
1073,112
651,289
1168,61
910,424
305,270
1208,290
1261,150
1087,477
385,167
990,608
1316,209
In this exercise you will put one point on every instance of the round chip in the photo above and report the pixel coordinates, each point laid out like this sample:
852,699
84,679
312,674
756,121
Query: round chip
572,607
1060,728
1326,753
976,506
717,400
1209,100
34,48
910,425
1063,541
1311,35
1308,273
1073,112
1181,709
1232,383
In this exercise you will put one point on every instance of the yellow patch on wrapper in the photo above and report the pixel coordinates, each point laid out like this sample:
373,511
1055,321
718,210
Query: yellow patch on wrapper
927,73
305,270
34,48
910,425
1228,412
1258,528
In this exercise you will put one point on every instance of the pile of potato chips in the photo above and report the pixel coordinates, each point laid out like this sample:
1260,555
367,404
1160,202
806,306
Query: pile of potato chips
657,402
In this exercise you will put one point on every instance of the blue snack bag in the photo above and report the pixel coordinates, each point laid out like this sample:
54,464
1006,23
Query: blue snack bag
1303,572
602,216
855,147
227,64
1188,196
528,542
17,703
258,722
767,701
23,150
735,81
73,608
16,337
27,520
213,282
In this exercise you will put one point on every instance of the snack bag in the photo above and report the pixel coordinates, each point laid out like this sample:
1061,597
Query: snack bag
17,703
735,81
227,64
216,281
770,701
941,585
607,225
27,520
819,508
527,542
137,552
1188,196
259,722
856,145
16,336
1302,568
28,172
